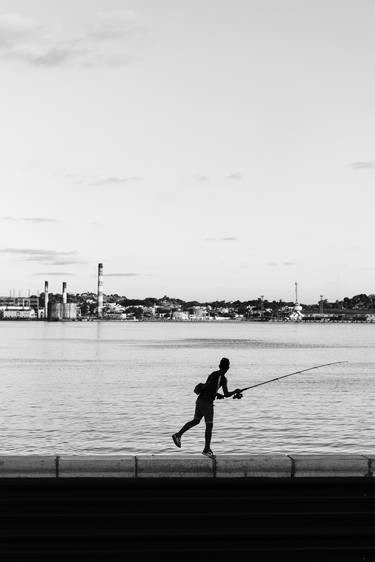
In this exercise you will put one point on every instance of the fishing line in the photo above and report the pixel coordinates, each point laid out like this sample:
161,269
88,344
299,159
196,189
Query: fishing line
284,376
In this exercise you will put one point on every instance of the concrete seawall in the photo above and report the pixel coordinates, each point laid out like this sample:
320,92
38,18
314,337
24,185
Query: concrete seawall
259,507
184,466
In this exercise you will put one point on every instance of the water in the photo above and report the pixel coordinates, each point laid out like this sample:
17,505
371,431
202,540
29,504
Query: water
124,388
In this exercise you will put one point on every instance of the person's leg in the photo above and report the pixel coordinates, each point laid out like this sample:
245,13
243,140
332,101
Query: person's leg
198,415
195,421
188,426
209,419
207,436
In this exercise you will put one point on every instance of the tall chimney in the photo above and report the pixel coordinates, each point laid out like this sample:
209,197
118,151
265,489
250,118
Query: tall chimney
45,300
64,293
100,290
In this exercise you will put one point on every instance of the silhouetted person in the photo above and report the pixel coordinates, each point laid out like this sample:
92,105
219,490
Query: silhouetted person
205,405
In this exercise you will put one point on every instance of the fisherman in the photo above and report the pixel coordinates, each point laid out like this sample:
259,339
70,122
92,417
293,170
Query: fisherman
205,405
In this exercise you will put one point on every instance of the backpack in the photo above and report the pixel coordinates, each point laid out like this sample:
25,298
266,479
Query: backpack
199,388
202,385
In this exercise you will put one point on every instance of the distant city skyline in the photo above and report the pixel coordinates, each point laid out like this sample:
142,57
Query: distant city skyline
64,288
203,149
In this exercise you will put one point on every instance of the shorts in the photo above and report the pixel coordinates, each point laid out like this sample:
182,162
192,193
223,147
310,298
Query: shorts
205,409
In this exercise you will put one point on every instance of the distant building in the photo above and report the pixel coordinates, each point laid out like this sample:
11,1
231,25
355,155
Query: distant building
31,302
180,315
115,315
17,313
62,311
199,312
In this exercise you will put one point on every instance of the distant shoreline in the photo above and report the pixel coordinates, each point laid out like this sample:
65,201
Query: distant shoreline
194,321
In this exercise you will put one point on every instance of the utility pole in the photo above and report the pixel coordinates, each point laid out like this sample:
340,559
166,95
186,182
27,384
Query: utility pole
321,305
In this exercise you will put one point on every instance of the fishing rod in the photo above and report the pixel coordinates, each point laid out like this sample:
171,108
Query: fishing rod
239,394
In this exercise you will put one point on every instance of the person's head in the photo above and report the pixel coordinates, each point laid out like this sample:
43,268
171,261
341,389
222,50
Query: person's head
224,364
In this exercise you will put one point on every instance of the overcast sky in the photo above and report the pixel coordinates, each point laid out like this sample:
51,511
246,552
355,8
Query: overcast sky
203,149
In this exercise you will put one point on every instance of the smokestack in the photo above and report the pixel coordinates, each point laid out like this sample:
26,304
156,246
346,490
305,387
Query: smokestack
46,300
64,293
100,290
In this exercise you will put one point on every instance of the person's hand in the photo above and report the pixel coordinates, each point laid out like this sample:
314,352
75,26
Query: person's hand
238,395
220,396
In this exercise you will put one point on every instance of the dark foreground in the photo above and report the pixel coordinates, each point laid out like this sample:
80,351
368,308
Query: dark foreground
249,518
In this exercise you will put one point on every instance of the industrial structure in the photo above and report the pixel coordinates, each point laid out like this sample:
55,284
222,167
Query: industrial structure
296,315
100,291
17,313
51,307
63,310
19,308
45,300
321,305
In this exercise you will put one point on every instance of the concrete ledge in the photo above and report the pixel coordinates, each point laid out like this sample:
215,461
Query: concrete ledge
250,466
174,467
95,467
32,466
185,466
330,465
371,464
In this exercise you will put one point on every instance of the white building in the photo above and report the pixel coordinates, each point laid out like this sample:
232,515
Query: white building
180,315
17,313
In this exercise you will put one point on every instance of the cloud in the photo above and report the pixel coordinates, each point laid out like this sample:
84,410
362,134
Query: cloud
46,257
62,262
112,180
237,176
278,264
51,273
93,180
224,239
127,275
96,224
103,40
34,252
200,178
28,219
369,165
45,220
113,25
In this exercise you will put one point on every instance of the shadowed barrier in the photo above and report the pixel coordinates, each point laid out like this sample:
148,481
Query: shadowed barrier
297,507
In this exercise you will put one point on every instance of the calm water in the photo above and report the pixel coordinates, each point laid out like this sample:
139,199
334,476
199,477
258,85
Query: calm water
124,388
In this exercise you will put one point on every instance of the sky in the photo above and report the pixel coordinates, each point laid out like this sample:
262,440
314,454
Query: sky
200,149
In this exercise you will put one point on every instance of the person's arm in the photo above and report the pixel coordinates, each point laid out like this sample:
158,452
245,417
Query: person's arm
227,394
